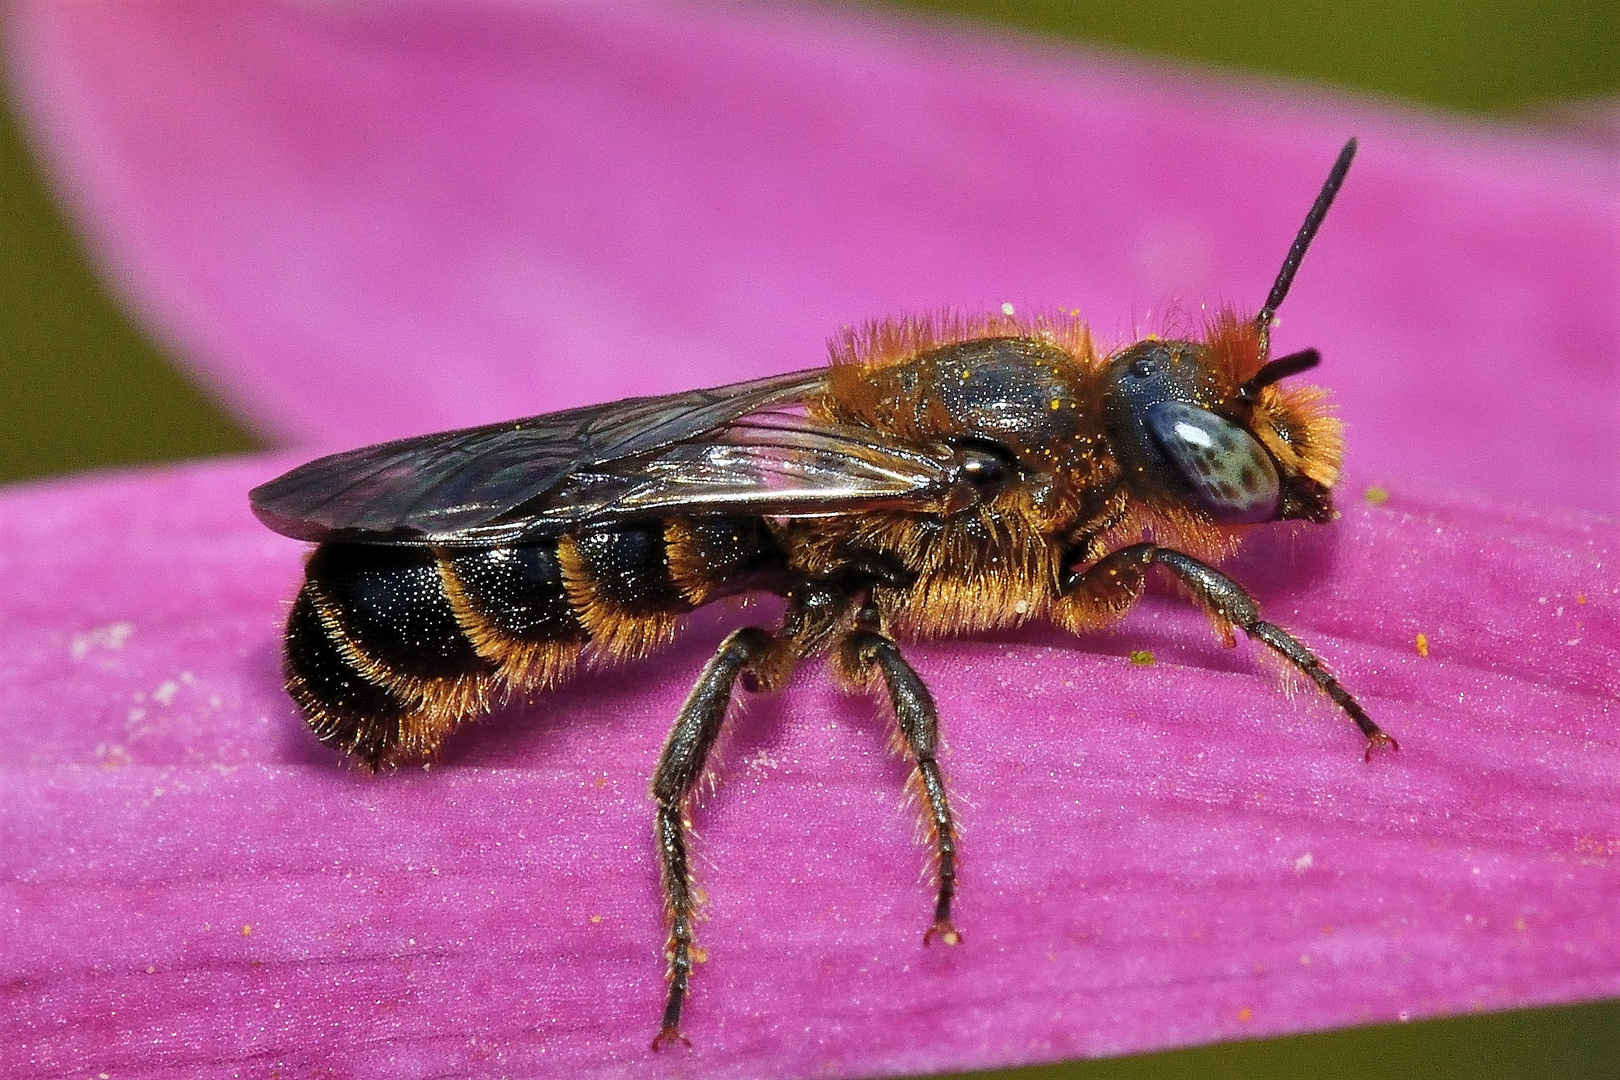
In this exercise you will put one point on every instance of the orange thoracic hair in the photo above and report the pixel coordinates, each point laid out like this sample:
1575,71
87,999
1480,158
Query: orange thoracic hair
1001,563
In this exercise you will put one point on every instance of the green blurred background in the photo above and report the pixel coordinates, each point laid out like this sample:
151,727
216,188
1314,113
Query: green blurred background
84,388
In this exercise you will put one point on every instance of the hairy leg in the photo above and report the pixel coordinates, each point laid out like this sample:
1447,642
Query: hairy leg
1110,585
680,767
865,652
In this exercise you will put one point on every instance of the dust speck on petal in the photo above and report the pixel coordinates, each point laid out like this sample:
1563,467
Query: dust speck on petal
111,637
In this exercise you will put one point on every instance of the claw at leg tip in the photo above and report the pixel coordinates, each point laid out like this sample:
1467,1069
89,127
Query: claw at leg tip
669,1035
1378,740
947,934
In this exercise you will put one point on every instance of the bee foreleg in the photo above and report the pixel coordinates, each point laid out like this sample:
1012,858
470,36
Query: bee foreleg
1228,601
864,651
680,766
1105,590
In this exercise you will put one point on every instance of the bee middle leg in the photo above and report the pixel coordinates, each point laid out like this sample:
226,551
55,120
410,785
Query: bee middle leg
1112,584
680,767
865,651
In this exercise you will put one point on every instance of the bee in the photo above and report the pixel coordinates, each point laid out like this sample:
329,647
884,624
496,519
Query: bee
941,476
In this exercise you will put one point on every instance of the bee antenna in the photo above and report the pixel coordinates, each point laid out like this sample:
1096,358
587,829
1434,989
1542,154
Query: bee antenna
1302,241
1280,368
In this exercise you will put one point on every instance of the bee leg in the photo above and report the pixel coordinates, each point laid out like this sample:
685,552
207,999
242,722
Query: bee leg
865,651
1228,602
679,768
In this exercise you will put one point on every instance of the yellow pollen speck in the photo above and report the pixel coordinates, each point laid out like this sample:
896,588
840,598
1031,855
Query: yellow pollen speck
1007,309
967,373
1245,1014
1580,598
1423,644
1377,496
596,918
1142,657
1056,404
247,929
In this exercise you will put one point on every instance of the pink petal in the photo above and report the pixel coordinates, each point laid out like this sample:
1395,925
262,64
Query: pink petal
1156,856
360,221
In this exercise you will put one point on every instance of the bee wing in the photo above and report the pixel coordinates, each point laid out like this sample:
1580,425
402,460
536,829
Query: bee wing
766,465
640,457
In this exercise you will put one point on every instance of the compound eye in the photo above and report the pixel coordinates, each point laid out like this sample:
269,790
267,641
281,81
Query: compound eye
1232,476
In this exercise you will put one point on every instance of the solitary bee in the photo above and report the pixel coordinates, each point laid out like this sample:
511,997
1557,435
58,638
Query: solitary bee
941,476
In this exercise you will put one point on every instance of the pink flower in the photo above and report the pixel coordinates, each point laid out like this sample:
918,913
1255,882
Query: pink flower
363,221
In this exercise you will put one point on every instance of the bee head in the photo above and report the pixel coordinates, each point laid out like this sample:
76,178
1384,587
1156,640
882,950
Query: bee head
1205,423
1185,431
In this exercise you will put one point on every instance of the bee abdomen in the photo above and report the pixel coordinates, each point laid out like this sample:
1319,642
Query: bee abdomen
618,582
512,605
389,648
613,594
719,556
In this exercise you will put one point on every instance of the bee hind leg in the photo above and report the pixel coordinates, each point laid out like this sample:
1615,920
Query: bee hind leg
867,652
680,766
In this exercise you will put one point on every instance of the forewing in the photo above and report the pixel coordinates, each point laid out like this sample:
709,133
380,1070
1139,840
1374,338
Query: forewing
634,458
414,489
768,465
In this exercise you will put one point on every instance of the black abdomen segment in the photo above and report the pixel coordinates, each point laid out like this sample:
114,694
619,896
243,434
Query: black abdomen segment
346,709
388,648
375,655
